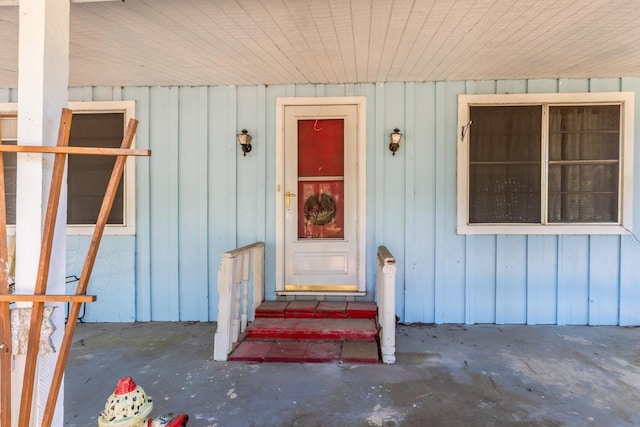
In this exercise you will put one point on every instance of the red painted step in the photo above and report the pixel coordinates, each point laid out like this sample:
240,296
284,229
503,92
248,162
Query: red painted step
311,332
311,309
306,352
271,309
332,310
324,329
361,310
301,309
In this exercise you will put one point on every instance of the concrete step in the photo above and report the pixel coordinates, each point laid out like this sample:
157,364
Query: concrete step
311,332
305,351
313,328
317,309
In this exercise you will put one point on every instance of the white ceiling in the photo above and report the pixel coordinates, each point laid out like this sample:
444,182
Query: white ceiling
246,42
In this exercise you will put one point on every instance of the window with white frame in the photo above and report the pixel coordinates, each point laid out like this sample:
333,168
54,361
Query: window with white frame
545,163
94,124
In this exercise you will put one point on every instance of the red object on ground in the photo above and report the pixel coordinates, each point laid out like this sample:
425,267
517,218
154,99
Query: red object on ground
125,385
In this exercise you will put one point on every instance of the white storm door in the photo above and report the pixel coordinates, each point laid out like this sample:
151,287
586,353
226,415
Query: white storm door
320,197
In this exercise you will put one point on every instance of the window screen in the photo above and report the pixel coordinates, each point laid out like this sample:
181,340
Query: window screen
88,176
504,164
9,137
584,152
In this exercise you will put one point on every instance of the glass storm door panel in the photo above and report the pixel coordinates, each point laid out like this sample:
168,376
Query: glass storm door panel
321,179
320,214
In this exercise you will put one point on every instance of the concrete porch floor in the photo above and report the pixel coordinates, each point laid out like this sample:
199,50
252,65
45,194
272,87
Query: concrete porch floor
445,375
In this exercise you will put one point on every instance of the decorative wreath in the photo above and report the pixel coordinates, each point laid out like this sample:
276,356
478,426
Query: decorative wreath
319,209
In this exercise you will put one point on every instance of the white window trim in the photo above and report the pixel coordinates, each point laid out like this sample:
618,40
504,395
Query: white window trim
625,99
129,176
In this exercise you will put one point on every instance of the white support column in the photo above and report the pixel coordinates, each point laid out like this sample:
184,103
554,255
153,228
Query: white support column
42,92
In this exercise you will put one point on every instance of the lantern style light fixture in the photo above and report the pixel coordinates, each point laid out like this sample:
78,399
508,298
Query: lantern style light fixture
396,136
244,139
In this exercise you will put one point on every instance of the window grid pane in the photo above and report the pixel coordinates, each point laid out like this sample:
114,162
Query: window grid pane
584,155
9,137
504,164
89,175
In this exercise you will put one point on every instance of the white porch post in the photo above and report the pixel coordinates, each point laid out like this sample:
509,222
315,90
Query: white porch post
42,91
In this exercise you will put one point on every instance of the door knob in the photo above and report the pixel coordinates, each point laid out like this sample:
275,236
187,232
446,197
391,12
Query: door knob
289,195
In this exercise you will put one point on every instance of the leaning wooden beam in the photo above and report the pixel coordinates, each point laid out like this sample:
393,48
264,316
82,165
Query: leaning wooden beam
37,309
47,298
96,151
83,283
5,315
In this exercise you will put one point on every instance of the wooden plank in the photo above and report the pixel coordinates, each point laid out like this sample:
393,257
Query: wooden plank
629,281
37,308
142,239
192,206
511,294
411,240
222,174
394,183
248,168
47,298
271,95
164,204
95,151
604,280
573,280
573,85
605,85
542,86
630,245
5,314
480,279
542,267
377,186
83,283
261,167
421,217
450,248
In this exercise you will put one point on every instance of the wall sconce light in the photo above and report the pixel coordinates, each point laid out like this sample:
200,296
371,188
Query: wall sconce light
396,136
244,139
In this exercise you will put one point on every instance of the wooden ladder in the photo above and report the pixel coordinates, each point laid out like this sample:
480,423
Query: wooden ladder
40,296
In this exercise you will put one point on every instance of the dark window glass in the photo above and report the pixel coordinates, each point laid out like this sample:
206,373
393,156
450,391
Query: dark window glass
584,152
504,164
89,175
9,130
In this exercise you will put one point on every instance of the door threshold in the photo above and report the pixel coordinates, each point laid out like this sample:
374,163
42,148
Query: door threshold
322,293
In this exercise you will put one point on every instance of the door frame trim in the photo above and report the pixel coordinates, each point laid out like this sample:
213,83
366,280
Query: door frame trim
361,103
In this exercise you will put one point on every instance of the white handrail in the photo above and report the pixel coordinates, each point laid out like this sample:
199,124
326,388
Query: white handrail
386,300
240,269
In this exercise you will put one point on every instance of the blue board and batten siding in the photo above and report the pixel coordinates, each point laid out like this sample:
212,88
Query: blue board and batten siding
197,197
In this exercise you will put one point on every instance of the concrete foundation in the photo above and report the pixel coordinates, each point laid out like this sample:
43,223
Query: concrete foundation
445,375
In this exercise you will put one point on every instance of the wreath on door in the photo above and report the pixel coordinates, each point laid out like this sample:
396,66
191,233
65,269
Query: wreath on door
319,209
